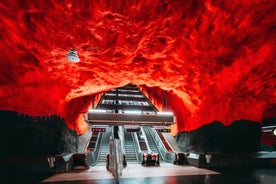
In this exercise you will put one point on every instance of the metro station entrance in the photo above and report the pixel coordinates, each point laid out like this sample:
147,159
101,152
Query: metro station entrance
128,144
127,128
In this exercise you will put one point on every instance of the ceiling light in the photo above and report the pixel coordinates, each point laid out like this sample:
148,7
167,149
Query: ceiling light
165,113
274,132
73,56
96,110
133,112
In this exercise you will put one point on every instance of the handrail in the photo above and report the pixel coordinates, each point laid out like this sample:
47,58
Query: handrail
145,138
98,146
168,156
137,147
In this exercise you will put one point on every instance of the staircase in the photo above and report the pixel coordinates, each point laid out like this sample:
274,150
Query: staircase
130,148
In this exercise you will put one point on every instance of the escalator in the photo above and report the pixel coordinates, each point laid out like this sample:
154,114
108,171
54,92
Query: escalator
130,148
93,148
150,140
112,110
158,144
104,149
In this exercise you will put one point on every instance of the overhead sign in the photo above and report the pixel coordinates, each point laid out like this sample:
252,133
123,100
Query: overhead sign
165,130
133,129
98,129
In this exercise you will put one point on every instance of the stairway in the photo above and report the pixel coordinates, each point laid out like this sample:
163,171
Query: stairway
130,148
104,149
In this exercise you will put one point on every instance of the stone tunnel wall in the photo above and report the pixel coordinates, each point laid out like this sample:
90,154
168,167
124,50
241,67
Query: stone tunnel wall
240,137
27,136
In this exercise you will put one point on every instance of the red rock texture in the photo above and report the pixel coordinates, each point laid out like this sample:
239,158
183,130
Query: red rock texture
215,58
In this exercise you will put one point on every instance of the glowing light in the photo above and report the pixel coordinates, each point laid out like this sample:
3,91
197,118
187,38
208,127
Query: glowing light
73,56
133,112
165,113
274,132
96,110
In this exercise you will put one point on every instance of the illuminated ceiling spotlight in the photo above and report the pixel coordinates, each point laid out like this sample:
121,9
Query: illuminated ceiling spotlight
274,132
73,56
133,112
96,110
165,113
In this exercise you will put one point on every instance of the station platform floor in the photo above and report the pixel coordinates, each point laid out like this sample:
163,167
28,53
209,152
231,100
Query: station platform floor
166,174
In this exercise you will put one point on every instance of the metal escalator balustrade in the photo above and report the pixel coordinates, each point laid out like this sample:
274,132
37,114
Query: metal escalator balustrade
89,159
164,141
172,142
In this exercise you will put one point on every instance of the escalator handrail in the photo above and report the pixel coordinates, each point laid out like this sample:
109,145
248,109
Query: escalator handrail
137,147
145,138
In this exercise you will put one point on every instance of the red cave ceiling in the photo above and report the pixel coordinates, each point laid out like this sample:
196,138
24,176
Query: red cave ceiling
216,59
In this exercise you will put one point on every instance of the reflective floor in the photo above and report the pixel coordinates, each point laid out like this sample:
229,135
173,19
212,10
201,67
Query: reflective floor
166,173
133,172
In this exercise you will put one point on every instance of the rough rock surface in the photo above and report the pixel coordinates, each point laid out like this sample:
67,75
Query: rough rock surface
240,137
216,59
29,136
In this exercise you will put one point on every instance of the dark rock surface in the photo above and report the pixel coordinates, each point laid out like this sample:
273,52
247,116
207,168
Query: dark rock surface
242,136
28,136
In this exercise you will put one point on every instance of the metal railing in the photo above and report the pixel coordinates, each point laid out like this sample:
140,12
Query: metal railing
115,158
139,153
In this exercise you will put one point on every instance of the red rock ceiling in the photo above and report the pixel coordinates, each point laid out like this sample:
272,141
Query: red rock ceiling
215,58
